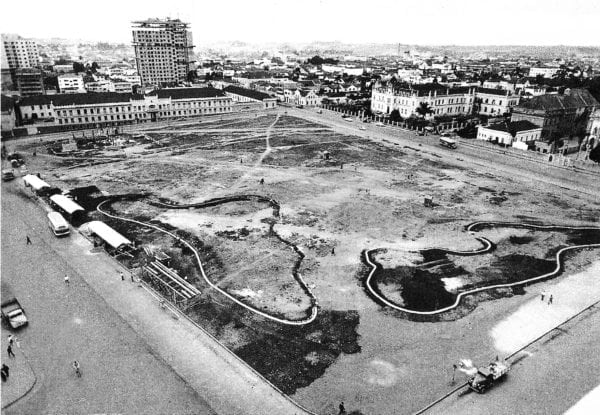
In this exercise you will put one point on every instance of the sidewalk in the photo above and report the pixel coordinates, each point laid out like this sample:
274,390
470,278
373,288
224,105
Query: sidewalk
569,296
227,384
21,379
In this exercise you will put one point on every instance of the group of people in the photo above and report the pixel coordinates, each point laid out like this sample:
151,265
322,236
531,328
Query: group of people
543,295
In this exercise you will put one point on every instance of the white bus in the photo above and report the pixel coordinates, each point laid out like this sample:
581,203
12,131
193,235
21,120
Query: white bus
58,224
447,142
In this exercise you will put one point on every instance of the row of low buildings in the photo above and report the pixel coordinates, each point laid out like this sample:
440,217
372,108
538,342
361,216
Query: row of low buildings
97,110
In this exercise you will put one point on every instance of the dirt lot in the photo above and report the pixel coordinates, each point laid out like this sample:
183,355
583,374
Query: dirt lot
339,195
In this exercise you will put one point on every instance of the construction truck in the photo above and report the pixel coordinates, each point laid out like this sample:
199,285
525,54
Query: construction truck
486,377
12,311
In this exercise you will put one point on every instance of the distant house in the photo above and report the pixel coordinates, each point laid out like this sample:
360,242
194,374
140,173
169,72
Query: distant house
71,84
306,98
518,134
241,95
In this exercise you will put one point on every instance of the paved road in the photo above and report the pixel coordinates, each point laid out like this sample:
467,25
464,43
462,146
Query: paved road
487,161
99,334
120,372
549,381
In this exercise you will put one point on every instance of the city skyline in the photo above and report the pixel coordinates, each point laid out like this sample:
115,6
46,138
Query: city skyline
439,22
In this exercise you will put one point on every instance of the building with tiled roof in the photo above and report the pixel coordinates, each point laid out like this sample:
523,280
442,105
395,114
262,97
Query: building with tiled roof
559,115
510,133
244,95
441,100
95,110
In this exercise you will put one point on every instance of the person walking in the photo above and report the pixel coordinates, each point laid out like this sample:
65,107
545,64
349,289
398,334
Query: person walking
67,280
550,299
10,352
122,276
77,368
28,240
542,295
333,251
342,408
5,372
131,275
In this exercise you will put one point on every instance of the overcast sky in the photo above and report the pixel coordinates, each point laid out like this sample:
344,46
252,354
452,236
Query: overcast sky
433,22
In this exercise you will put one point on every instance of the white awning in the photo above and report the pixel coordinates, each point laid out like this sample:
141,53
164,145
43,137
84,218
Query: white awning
35,182
107,234
66,204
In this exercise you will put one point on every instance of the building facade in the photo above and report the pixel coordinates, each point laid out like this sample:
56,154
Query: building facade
19,53
510,134
494,102
163,51
29,81
96,110
545,71
71,84
242,95
559,115
441,100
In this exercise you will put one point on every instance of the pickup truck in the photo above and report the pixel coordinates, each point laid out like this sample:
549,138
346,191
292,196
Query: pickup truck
12,311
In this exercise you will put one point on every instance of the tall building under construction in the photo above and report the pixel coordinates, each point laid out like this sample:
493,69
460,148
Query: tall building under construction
163,51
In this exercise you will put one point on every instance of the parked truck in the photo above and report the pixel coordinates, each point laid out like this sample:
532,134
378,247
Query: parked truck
12,311
487,376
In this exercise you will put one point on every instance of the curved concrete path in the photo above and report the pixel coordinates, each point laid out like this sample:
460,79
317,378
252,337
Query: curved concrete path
309,319
461,295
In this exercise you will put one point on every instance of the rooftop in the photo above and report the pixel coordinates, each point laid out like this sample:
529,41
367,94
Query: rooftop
513,127
571,99
492,91
187,93
250,93
89,98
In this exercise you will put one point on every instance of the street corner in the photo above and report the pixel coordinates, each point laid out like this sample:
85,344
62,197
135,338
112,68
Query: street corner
20,379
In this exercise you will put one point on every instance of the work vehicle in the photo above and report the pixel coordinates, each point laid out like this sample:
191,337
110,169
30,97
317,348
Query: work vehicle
487,376
16,160
447,142
57,224
380,124
7,175
319,111
12,311
362,128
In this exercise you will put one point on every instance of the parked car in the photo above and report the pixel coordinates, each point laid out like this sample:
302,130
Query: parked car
7,175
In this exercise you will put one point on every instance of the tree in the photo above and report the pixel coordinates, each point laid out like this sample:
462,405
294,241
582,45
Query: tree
595,154
395,116
94,67
424,109
51,82
316,60
78,67
192,76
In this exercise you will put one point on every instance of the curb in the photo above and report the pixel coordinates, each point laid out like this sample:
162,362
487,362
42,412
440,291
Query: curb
29,389
459,297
